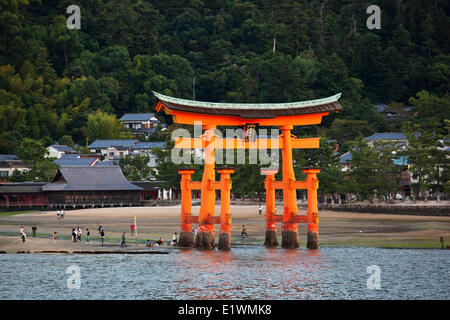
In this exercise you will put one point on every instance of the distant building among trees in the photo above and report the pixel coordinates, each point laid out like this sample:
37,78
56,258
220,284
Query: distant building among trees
140,123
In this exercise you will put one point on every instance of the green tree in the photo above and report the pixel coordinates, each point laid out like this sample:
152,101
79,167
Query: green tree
363,170
66,140
31,151
102,125
344,130
423,155
430,107
135,168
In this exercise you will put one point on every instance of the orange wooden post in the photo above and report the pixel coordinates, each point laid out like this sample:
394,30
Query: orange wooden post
289,234
205,235
313,227
271,225
186,234
225,216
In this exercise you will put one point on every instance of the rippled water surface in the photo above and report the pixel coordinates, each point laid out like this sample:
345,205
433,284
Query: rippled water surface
246,272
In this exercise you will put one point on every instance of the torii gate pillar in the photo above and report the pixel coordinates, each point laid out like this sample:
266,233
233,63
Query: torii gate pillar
205,234
225,215
289,229
313,225
186,234
271,225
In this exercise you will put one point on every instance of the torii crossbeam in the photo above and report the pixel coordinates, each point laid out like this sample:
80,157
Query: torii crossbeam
283,115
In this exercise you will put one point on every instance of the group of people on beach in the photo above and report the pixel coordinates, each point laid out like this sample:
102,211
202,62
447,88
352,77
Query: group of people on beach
160,241
60,214
23,234
76,235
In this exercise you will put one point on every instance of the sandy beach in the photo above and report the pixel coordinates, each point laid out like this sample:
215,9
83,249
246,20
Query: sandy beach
336,229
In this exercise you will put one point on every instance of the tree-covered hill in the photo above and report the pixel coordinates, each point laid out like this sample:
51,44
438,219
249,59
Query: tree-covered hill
53,78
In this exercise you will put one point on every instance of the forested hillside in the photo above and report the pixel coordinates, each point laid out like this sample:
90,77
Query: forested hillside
52,78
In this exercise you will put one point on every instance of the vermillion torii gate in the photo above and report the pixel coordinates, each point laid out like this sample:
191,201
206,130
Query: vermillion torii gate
283,115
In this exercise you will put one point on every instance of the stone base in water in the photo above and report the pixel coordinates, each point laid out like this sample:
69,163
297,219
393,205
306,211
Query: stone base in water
289,239
186,239
225,241
204,240
271,239
313,240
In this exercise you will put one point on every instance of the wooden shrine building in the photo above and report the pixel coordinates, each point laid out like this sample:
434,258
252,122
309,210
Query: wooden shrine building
92,186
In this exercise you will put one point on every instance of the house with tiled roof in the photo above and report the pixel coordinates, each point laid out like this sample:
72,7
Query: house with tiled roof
113,149
399,138
395,137
140,123
9,163
145,148
345,160
58,150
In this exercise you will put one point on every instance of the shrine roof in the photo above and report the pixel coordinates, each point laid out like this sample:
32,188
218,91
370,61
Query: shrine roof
252,110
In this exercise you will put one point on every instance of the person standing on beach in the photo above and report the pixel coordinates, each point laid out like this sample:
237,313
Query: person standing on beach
33,229
260,209
102,235
78,234
88,241
99,227
58,213
54,236
62,214
132,229
74,235
23,235
244,231
123,244
174,239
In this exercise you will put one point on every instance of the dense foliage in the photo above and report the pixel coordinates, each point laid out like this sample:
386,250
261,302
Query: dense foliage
57,82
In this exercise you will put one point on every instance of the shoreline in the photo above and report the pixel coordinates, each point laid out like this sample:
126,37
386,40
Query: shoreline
336,229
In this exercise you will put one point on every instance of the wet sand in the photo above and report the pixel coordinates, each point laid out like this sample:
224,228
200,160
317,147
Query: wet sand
335,229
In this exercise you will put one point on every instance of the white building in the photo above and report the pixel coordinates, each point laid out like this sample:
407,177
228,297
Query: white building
58,150
9,163
113,149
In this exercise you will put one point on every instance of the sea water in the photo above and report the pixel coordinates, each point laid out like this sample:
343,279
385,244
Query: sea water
245,272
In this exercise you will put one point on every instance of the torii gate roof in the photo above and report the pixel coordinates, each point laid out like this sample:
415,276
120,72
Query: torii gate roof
252,110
